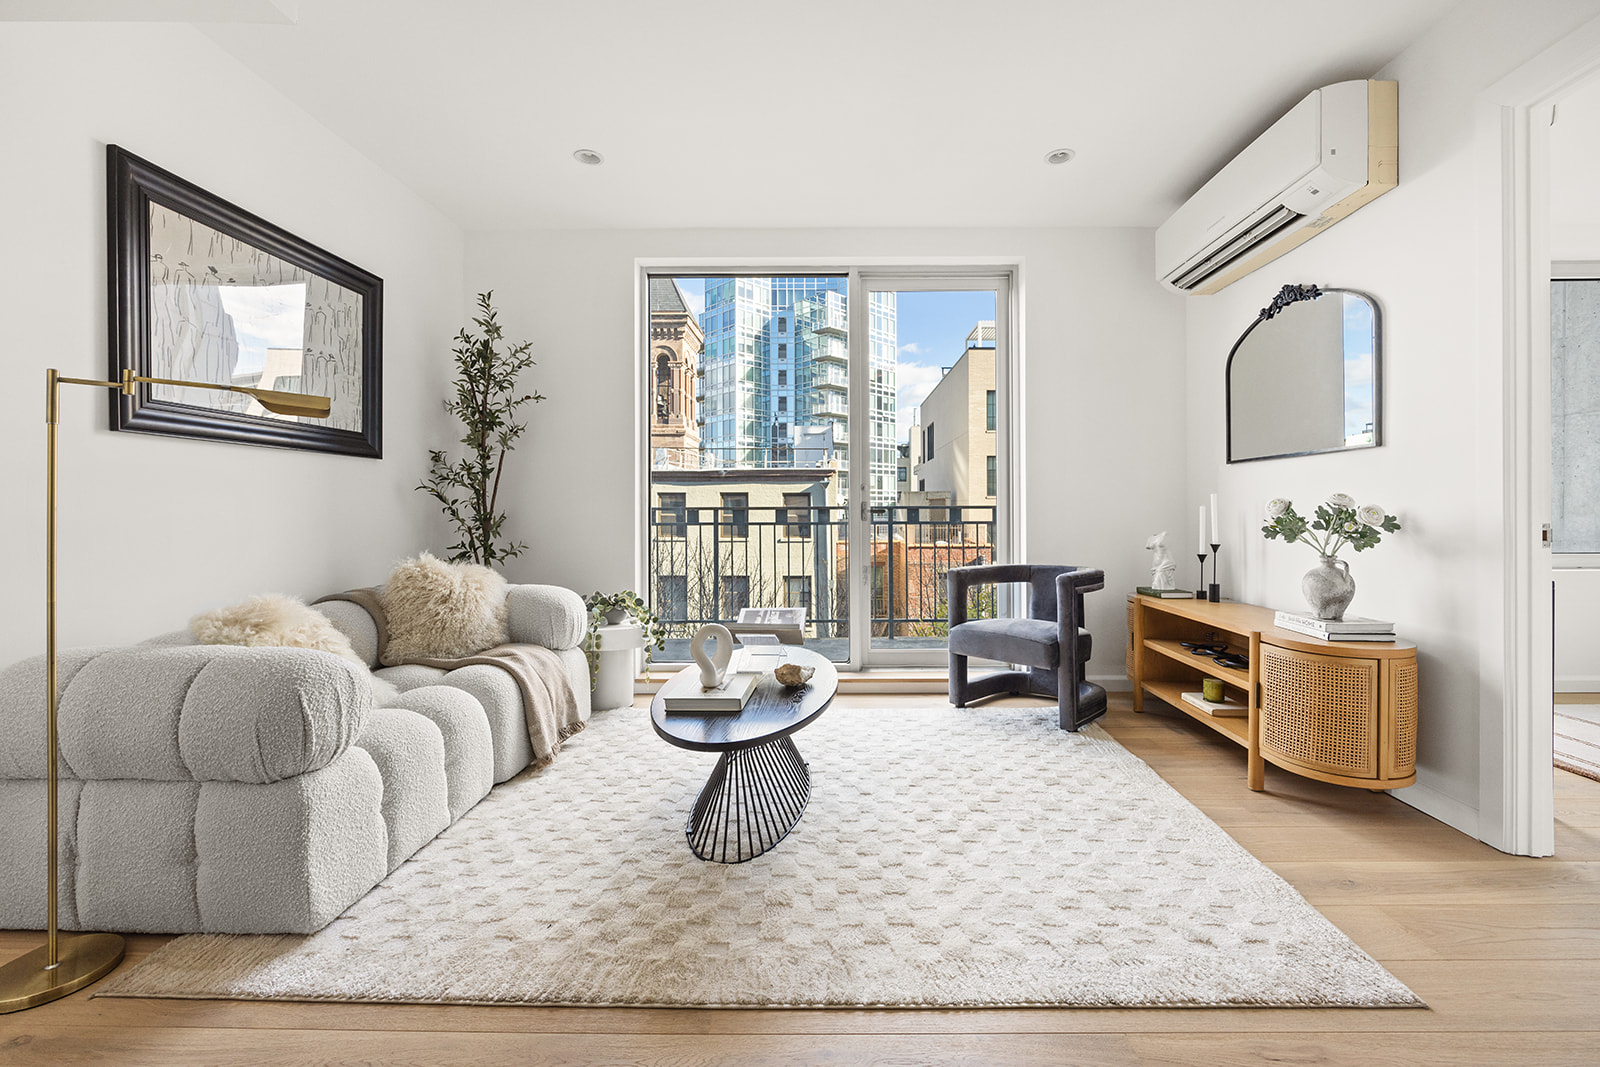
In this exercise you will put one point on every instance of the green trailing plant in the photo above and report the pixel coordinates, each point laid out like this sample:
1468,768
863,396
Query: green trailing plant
601,605
487,402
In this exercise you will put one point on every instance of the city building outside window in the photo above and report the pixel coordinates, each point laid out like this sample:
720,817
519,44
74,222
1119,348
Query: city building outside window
673,591
674,518
991,476
797,514
735,595
797,592
988,412
735,518
783,351
927,442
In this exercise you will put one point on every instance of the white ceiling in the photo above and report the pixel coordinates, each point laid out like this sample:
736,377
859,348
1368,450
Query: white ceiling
855,113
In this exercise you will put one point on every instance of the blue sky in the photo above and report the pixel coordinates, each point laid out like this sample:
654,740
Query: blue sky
932,333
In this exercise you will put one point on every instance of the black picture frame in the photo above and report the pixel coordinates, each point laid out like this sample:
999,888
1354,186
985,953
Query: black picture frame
150,328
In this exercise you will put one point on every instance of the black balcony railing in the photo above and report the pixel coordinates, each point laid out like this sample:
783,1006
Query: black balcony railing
708,563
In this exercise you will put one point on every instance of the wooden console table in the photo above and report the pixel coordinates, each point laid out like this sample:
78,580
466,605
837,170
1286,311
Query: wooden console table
1337,711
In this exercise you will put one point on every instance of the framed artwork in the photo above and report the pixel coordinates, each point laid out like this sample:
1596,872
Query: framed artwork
205,291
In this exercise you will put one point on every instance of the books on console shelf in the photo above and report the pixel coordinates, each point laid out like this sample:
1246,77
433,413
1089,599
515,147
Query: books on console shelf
1165,594
1350,624
731,696
1356,635
1222,709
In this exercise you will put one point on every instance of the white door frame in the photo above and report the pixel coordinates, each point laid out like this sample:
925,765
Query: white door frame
1516,811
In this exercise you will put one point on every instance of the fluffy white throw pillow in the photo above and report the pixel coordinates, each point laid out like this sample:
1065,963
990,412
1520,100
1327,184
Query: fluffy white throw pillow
440,610
275,620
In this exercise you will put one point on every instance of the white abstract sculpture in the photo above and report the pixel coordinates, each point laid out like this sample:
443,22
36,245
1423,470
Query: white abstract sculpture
712,668
1164,568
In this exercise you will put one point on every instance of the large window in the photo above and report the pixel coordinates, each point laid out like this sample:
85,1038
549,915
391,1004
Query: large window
772,485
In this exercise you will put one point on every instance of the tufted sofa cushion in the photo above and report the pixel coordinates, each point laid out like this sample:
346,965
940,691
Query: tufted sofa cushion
204,713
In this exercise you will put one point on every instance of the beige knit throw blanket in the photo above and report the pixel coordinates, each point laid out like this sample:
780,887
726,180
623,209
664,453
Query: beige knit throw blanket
549,702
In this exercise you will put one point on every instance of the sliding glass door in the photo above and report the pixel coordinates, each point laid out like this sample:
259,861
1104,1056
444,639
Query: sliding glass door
788,467
936,405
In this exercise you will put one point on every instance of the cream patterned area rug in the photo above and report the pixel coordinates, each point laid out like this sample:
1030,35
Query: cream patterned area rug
1578,739
949,858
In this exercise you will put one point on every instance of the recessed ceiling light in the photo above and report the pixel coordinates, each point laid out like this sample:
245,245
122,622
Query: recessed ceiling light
588,157
1060,155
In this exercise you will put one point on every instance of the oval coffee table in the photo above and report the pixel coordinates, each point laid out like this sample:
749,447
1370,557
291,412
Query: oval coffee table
759,787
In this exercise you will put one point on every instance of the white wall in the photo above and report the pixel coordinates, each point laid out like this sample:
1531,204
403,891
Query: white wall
1103,410
1417,250
154,529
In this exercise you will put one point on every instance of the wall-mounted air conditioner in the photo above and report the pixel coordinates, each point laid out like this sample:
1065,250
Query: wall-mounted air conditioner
1333,152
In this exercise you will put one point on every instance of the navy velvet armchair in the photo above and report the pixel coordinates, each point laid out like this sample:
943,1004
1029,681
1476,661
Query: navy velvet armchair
1051,641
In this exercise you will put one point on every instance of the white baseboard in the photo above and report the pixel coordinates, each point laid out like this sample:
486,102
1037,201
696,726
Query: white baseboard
1446,809
1577,683
1112,683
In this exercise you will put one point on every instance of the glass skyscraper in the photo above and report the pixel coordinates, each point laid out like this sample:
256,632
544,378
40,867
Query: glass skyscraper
776,364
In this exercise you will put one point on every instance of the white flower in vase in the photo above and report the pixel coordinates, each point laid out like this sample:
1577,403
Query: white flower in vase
1340,500
1371,515
1276,506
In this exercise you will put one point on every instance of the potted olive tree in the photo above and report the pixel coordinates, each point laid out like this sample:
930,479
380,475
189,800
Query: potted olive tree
487,401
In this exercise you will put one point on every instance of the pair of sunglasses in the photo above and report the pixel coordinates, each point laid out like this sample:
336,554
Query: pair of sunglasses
1200,648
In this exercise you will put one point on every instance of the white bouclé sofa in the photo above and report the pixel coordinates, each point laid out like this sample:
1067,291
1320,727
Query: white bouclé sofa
224,789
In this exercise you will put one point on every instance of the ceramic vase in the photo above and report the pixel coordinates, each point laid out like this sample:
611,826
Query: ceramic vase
1328,587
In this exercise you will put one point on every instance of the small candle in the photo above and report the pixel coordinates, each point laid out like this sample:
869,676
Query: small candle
1214,538
1202,534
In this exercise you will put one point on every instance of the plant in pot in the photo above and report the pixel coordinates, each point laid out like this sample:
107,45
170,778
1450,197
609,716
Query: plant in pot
487,402
612,609
1338,522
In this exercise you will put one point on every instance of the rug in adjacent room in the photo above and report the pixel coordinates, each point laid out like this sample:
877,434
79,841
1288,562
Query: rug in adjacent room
1578,739
949,858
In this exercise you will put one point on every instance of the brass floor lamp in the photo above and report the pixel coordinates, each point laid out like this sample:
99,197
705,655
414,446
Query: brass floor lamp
62,966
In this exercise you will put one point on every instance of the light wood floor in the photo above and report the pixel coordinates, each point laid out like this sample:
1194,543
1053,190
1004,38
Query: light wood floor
1505,951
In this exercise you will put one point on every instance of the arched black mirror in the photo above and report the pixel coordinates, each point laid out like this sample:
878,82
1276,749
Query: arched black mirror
1304,377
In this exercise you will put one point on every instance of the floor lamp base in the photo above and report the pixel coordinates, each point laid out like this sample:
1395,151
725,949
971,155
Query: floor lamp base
81,961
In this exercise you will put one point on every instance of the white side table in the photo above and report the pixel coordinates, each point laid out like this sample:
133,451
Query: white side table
617,664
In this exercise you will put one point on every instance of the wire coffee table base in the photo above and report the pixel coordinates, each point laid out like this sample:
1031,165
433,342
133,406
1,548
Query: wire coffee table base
753,798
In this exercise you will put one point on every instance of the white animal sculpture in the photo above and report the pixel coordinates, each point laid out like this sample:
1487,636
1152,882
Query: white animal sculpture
1165,568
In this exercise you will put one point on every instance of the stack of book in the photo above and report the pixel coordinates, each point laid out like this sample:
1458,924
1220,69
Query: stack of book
1349,628
1164,594
1222,709
730,697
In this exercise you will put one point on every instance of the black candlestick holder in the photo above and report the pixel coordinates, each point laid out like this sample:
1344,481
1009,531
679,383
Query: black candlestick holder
1214,594
1200,593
